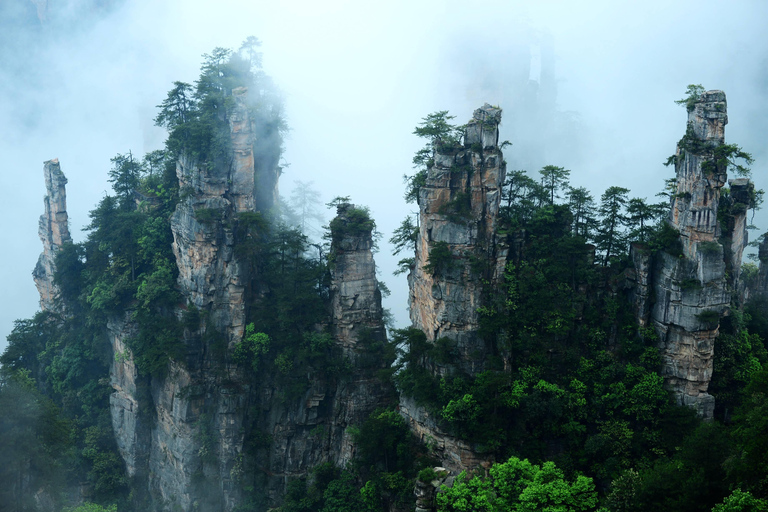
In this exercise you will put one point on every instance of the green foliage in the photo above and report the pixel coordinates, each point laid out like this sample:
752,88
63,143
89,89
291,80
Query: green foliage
667,239
441,135
708,316
727,157
611,238
521,197
642,217
693,93
710,248
208,216
741,501
750,465
196,116
518,485
440,259
583,208
91,507
250,349
352,221
554,179
458,209
426,475
691,480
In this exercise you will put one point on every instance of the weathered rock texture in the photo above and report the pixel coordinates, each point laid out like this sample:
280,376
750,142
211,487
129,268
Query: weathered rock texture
427,491
183,433
53,231
183,436
692,290
357,323
458,210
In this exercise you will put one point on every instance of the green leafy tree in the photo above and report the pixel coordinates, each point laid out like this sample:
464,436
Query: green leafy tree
404,239
177,108
125,177
641,218
553,180
741,501
692,93
584,209
440,135
521,197
518,485
611,237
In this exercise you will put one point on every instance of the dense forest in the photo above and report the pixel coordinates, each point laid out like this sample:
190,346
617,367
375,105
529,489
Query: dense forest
558,389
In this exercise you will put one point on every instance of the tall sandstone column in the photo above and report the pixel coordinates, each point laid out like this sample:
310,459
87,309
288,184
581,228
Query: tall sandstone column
357,323
693,290
53,231
458,211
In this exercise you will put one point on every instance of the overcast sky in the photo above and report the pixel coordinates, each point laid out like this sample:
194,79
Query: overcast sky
585,85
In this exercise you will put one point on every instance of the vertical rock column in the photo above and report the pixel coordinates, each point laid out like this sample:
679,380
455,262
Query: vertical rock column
691,290
53,231
193,402
357,323
458,209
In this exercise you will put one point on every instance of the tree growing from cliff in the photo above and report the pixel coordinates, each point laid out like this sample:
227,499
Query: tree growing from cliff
641,218
440,135
176,108
404,239
692,93
521,195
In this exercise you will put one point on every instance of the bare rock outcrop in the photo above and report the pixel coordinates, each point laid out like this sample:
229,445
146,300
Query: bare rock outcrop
184,434
357,323
458,256
692,290
175,431
458,210
53,231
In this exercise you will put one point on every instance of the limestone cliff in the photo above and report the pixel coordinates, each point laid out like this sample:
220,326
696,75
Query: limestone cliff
53,231
458,210
691,290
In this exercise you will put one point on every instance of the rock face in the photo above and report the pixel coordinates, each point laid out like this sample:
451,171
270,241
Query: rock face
458,211
357,323
175,431
691,290
183,436
458,208
53,231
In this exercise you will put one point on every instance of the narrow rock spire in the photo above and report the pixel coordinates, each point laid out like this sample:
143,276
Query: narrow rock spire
692,286
53,231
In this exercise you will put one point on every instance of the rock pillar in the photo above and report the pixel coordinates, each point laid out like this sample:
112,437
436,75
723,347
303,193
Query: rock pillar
53,231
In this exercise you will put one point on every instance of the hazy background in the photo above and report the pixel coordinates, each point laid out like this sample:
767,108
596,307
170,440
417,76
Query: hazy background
585,85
